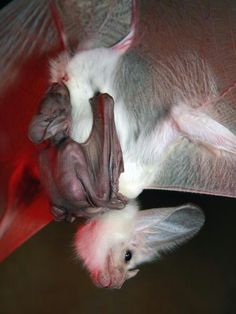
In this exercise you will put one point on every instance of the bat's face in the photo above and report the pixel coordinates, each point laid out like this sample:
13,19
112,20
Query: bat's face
117,269
105,245
114,243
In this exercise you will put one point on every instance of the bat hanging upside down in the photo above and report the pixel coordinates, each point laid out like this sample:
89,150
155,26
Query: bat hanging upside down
168,132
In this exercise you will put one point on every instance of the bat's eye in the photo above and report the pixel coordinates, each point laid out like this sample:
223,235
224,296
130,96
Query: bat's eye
128,256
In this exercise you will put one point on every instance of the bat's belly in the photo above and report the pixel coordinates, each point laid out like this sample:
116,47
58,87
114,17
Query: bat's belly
135,177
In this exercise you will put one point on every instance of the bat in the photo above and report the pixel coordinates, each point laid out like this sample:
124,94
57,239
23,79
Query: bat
173,100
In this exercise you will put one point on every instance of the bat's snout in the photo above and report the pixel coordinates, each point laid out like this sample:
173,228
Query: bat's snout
106,280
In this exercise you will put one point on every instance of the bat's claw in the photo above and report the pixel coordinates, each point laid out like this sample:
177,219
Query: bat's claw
61,214
119,199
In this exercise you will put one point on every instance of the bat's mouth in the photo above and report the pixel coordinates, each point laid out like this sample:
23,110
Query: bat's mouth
114,280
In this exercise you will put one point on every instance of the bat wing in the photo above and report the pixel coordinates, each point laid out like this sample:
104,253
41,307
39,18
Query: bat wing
206,29
28,39
189,167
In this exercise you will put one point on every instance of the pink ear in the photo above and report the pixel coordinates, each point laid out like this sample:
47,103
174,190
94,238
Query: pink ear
126,42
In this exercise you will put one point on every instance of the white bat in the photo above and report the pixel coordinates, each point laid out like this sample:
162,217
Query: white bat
173,105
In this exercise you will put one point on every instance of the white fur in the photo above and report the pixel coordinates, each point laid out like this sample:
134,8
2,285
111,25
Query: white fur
99,235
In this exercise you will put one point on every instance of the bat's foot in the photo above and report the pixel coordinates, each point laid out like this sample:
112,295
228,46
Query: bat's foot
62,214
93,211
116,201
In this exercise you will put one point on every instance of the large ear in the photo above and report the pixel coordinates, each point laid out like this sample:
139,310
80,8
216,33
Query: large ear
128,40
164,228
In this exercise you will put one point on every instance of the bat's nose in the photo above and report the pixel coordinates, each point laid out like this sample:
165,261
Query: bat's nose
104,280
101,280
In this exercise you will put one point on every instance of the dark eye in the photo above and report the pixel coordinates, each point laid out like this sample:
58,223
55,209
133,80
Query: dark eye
128,256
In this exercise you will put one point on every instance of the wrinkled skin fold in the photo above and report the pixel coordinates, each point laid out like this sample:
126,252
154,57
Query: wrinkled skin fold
78,176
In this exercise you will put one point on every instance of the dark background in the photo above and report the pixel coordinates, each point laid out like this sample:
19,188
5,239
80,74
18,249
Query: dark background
200,277
3,3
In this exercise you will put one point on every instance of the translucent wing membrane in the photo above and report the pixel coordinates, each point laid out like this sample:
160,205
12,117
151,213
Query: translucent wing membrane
200,29
193,168
95,23
26,29
29,28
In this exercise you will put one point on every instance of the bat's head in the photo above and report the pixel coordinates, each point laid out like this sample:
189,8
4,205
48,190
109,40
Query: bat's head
113,244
